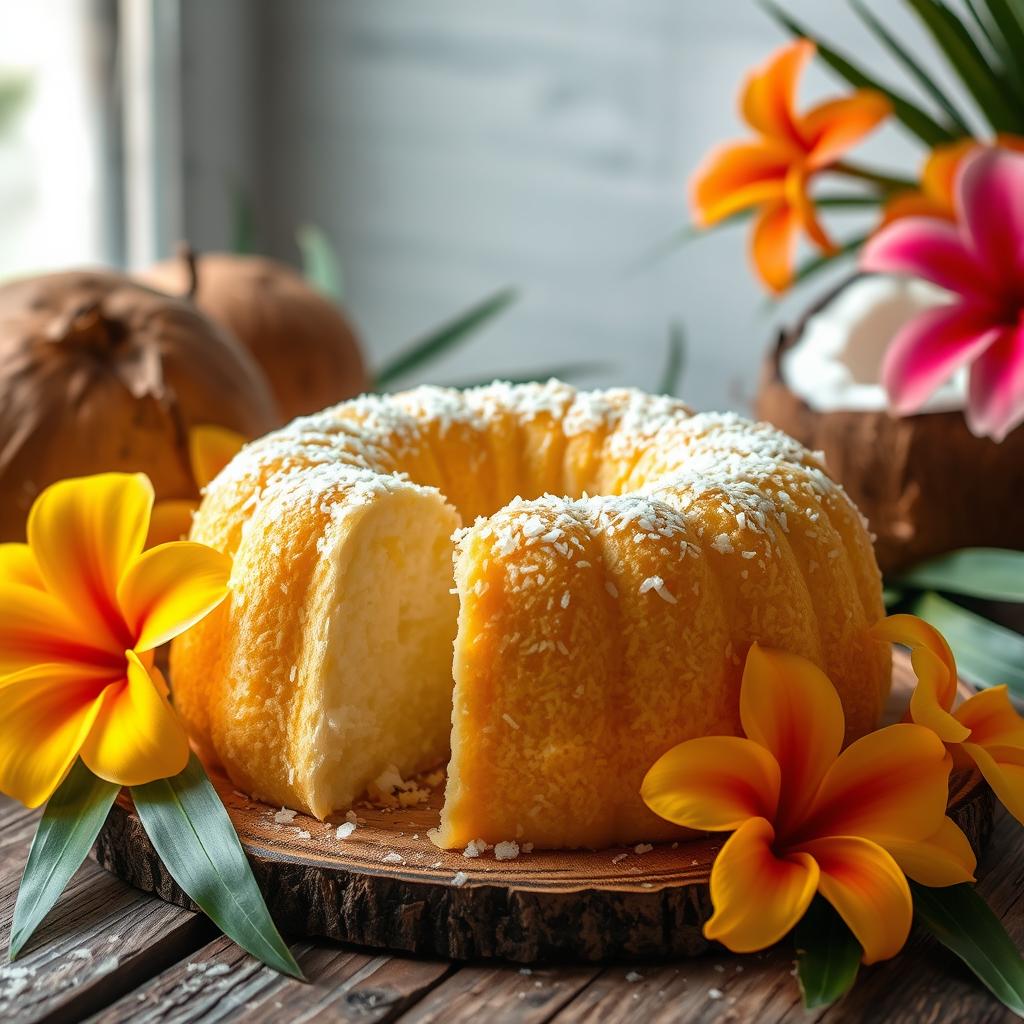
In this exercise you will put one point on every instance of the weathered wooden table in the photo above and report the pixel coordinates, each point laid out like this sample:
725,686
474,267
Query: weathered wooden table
110,953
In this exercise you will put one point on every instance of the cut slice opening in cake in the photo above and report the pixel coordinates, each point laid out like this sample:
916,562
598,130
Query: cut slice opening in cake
386,665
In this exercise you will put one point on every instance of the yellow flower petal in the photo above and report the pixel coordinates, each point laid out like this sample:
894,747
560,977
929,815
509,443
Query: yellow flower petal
714,783
47,711
1003,768
790,707
84,533
36,629
868,889
758,897
992,719
889,785
945,858
18,565
171,521
169,589
136,737
210,449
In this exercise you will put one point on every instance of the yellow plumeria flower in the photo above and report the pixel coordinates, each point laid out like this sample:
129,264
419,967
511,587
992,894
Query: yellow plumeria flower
82,610
984,731
806,818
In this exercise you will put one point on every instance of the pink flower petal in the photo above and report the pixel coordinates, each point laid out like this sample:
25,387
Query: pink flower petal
926,352
930,248
995,403
990,206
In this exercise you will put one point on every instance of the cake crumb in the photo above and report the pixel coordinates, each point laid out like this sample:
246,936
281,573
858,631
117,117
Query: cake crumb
475,847
642,848
507,850
527,847
619,858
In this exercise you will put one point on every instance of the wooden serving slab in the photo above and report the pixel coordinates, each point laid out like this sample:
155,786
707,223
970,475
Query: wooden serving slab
388,886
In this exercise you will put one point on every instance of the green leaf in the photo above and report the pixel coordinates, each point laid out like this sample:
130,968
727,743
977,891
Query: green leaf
827,955
963,922
914,69
1005,35
674,361
909,114
320,263
187,824
986,653
966,58
891,596
14,92
993,573
566,371
447,336
70,823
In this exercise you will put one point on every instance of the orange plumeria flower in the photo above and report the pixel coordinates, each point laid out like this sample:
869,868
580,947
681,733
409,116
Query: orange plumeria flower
806,818
82,609
772,171
938,177
984,731
210,449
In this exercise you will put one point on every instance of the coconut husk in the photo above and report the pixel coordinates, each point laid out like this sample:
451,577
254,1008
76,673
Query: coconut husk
304,343
925,483
99,373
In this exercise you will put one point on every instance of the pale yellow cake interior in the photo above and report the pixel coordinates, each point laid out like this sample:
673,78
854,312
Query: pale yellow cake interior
601,560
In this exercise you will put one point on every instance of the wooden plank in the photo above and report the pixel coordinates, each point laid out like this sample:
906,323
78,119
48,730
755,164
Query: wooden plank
101,939
221,982
501,993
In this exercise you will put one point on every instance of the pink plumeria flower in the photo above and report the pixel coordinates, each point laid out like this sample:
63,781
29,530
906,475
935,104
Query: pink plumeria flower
980,259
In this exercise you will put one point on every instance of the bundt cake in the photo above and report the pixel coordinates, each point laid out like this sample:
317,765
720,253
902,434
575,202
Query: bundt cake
592,631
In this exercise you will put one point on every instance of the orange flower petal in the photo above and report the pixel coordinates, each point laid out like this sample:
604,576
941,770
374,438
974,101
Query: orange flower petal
210,449
714,783
18,565
171,521
84,533
36,629
737,176
790,707
831,128
773,245
768,97
758,897
938,176
1003,768
992,719
935,668
891,785
912,204
137,737
800,199
945,858
868,889
170,588
47,711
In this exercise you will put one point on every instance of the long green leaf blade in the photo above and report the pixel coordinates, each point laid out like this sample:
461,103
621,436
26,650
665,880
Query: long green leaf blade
70,823
447,336
187,824
1005,34
974,68
675,360
827,955
963,922
993,573
320,263
986,653
914,69
909,114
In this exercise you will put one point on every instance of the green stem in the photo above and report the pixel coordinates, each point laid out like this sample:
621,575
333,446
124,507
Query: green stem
887,182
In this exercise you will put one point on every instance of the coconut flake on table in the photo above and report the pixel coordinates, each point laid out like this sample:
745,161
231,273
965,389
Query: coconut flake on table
836,363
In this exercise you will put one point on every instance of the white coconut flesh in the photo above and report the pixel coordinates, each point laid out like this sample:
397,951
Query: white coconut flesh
836,363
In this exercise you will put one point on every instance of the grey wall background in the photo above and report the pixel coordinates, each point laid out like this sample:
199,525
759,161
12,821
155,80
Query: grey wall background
450,147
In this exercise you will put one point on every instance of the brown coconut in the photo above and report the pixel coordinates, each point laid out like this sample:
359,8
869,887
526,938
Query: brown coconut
925,483
305,344
100,373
